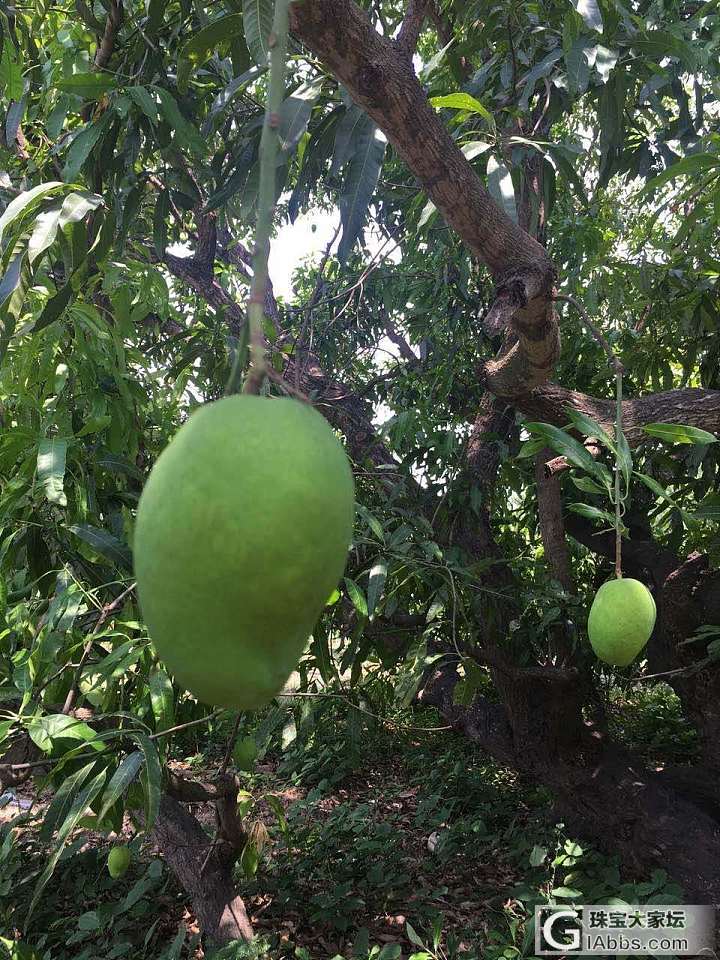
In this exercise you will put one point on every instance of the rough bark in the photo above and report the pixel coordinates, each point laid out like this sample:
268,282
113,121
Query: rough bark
382,81
695,407
552,527
186,848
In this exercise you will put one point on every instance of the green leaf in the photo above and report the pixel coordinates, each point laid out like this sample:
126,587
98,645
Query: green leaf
126,772
566,892
44,232
357,596
83,800
155,15
202,44
295,113
186,135
679,433
624,459
590,427
162,699
62,801
24,201
258,18
54,308
83,144
590,12
412,935
160,223
360,180
500,187
51,469
348,133
153,776
592,513
11,80
464,101
687,167
90,86
376,584
104,543
574,451
224,99
11,278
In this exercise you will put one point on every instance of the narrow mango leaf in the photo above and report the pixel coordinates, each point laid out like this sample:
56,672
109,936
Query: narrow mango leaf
295,113
257,18
590,12
51,469
624,459
347,135
202,44
162,699
679,433
76,206
359,185
688,166
83,799
104,543
160,223
62,801
11,279
83,144
126,772
24,200
574,451
593,513
376,585
590,427
54,308
153,776
357,596
224,99
464,101
186,135
44,232
500,187
90,86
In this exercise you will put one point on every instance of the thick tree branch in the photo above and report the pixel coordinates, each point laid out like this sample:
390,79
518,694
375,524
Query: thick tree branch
693,406
383,83
411,28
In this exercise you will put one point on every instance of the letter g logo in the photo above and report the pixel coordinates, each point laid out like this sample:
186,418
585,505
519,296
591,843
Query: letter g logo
572,941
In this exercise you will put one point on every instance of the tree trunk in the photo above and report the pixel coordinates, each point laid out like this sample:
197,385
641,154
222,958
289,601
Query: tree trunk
183,843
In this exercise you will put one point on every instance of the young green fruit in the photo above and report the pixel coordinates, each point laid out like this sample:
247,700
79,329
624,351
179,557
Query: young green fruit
621,620
245,753
242,533
118,861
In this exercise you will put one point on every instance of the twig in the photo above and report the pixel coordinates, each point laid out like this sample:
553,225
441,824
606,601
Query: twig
368,713
230,744
104,614
269,144
597,335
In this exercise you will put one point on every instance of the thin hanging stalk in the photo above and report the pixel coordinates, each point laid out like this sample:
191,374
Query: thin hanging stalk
269,145
618,503
619,370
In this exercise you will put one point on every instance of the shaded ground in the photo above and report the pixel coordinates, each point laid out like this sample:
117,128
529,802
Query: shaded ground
383,830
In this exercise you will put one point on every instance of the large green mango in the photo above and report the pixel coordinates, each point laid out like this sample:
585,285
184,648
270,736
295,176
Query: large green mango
242,533
621,620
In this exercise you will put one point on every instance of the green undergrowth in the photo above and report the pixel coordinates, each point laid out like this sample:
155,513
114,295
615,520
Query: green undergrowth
397,842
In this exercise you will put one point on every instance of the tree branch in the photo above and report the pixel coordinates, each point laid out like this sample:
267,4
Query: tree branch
693,406
384,84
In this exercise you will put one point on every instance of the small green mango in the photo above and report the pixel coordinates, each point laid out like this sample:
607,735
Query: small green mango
245,753
118,861
621,621
242,533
